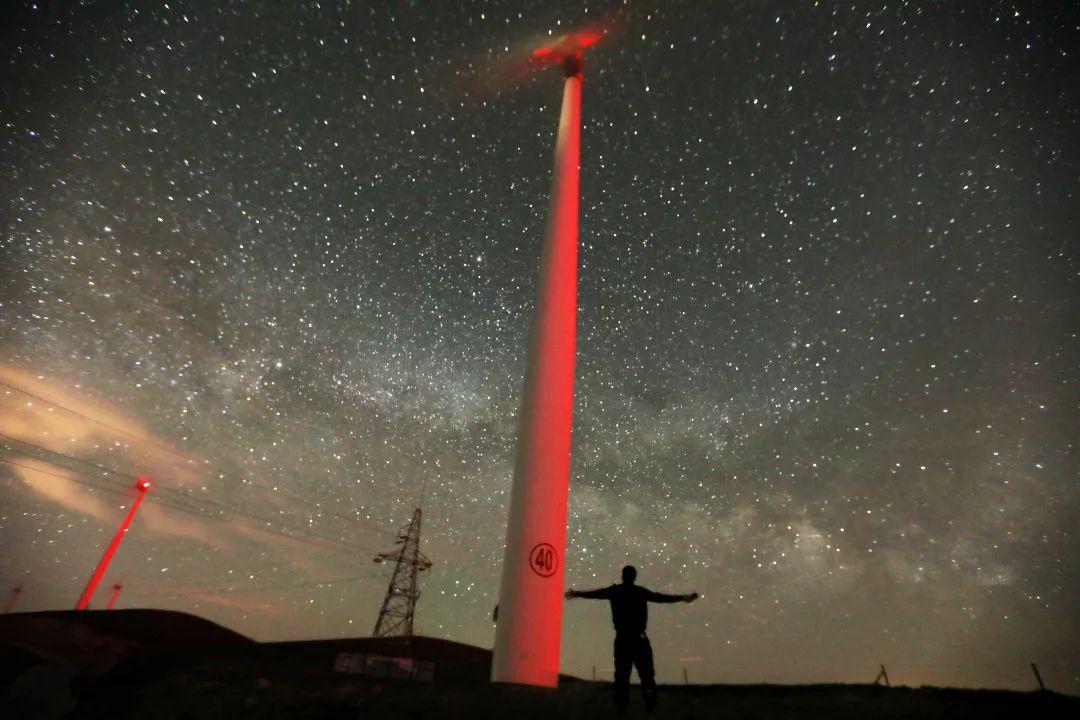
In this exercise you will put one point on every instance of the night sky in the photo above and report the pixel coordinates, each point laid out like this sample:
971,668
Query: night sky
281,256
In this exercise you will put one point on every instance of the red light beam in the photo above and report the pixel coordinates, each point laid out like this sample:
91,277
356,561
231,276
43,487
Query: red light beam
11,600
141,486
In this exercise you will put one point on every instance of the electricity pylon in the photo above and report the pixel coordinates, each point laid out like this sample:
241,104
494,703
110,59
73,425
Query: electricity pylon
399,605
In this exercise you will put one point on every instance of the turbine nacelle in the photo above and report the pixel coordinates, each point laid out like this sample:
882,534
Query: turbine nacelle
567,50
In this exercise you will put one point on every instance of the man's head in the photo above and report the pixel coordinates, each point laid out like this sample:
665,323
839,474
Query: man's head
629,574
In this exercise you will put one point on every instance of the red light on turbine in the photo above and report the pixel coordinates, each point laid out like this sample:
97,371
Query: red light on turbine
567,46
588,38
142,484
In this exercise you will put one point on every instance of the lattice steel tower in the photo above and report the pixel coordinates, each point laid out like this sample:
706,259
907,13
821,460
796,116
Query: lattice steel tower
396,615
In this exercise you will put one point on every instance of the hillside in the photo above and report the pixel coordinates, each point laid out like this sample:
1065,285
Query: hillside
166,665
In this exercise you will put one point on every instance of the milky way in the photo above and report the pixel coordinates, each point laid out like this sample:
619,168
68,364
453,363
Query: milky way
281,257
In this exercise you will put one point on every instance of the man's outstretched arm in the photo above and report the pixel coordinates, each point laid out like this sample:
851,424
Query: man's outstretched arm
598,594
665,598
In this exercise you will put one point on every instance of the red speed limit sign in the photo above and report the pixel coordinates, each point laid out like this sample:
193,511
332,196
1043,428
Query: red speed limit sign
543,560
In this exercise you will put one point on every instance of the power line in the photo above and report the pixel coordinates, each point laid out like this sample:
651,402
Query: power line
105,471
315,539
183,456
117,488
175,493
114,428
6,461
231,585
321,583
141,585
344,549
362,521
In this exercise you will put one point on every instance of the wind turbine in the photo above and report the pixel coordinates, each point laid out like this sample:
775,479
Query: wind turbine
529,628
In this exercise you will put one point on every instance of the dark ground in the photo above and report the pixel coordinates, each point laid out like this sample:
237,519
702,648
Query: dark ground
193,697
166,666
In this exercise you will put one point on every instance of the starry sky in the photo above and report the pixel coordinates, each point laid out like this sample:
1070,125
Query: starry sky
281,257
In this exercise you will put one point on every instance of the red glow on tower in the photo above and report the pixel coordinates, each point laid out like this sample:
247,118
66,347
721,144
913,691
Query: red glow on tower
529,627
11,600
142,484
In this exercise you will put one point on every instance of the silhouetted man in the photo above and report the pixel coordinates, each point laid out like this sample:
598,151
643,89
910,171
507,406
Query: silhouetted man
630,614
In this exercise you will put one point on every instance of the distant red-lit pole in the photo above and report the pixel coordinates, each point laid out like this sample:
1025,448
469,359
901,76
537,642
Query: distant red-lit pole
11,600
115,594
141,486
529,628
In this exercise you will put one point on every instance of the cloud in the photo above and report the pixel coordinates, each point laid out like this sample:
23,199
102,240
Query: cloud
65,422
55,484
27,414
158,519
